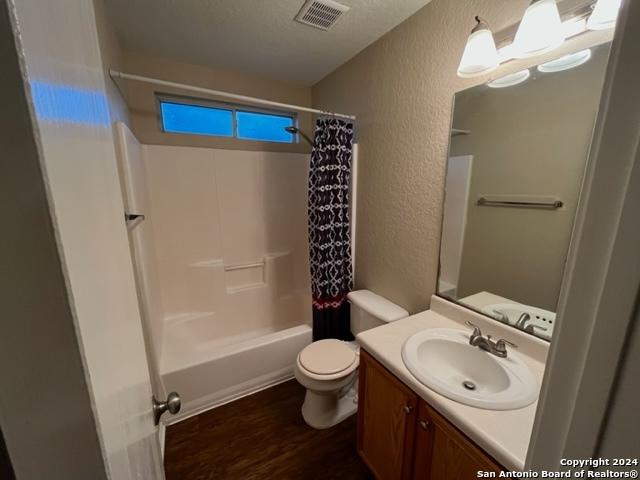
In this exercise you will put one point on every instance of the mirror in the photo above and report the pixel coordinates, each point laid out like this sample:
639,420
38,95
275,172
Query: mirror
517,158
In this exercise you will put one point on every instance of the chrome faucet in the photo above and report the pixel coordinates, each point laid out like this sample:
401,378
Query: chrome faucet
522,321
499,348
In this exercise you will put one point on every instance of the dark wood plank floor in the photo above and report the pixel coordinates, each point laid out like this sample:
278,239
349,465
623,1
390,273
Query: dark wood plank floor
262,436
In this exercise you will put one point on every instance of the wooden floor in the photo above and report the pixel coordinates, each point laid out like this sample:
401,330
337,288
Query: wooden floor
262,437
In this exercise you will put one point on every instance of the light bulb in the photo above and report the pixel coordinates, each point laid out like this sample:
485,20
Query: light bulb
480,55
604,15
540,30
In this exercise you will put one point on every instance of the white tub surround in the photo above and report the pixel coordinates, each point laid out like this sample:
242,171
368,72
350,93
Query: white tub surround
222,266
216,373
502,434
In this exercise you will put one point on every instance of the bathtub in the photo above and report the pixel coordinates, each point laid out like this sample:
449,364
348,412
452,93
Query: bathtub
210,373
225,297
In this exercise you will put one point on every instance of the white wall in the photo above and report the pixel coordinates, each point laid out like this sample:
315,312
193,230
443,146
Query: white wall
112,58
67,83
598,305
45,407
133,180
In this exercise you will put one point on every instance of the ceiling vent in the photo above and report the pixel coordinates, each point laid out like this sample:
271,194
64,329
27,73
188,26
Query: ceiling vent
322,14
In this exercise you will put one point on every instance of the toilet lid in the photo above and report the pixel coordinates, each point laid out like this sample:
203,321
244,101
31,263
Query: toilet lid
326,357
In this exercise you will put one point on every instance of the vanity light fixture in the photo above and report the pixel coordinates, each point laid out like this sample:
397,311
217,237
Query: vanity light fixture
510,80
566,62
480,55
540,30
571,28
604,15
574,27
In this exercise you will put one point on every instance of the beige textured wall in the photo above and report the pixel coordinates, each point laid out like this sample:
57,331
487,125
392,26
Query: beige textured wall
142,102
530,139
401,89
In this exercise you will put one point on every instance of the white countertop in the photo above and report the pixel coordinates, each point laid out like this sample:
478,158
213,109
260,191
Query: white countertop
482,299
502,434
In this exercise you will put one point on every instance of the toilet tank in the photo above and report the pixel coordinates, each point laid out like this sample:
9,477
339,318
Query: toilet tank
369,310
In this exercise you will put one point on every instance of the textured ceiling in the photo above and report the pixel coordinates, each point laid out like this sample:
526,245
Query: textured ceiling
257,36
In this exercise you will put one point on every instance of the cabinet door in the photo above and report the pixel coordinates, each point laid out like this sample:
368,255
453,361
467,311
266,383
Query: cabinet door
423,449
448,454
386,421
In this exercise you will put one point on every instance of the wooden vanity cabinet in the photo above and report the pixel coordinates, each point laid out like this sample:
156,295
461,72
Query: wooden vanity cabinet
386,421
401,437
443,452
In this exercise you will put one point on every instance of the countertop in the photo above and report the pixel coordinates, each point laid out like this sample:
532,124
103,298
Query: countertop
502,434
482,299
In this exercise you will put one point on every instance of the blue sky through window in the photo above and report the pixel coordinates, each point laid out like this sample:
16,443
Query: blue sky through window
263,126
196,119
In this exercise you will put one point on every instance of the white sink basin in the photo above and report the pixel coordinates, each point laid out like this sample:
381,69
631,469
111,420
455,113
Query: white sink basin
443,360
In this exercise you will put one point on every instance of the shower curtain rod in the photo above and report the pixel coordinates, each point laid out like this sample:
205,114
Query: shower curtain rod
114,74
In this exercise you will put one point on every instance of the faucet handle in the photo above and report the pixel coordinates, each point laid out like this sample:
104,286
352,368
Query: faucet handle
501,317
501,344
476,330
531,328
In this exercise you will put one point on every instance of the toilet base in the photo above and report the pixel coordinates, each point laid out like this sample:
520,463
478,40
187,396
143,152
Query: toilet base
322,410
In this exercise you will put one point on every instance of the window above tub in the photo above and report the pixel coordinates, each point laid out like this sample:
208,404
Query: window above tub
203,117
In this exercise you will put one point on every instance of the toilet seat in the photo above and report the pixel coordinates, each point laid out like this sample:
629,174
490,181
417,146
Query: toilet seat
328,359
328,369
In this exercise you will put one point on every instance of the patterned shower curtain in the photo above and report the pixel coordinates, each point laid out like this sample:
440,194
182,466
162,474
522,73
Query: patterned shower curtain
330,229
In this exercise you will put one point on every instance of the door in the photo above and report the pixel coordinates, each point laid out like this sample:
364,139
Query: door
386,421
66,81
443,453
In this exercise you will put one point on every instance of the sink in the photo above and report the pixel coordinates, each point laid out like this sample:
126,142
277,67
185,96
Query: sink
443,360
541,321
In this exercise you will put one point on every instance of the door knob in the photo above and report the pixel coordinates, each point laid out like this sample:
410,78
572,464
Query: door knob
424,424
408,409
172,404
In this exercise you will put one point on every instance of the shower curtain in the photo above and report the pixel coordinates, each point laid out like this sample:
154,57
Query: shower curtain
330,229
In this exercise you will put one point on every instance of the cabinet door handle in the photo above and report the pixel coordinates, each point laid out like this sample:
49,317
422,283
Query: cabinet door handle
424,424
408,409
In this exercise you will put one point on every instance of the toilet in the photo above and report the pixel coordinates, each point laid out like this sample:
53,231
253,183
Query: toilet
328,369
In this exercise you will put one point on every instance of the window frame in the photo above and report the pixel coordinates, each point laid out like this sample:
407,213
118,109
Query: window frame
233,107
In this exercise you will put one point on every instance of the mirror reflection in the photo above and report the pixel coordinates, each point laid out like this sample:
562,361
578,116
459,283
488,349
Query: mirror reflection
517,156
